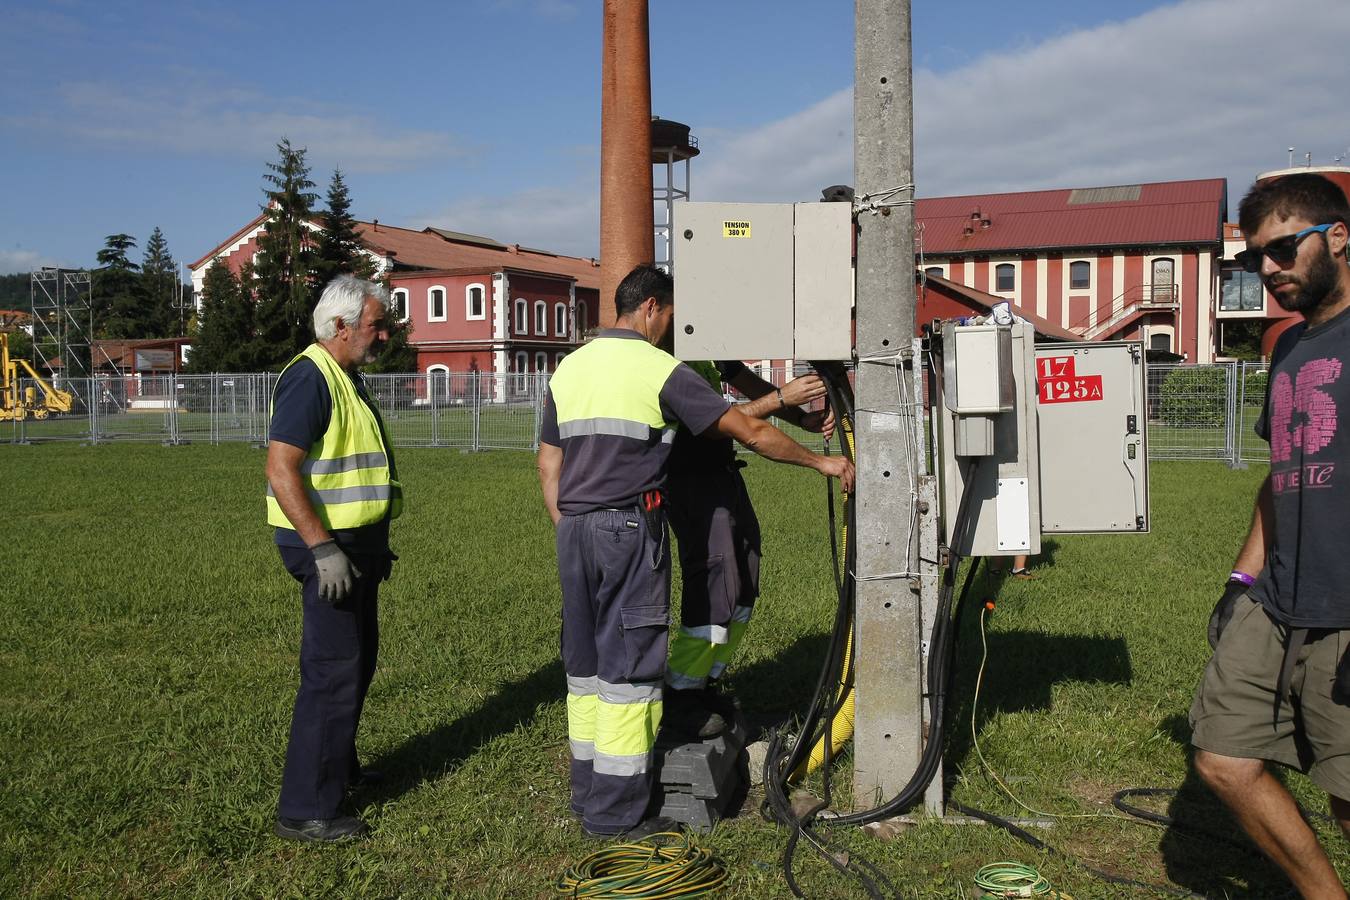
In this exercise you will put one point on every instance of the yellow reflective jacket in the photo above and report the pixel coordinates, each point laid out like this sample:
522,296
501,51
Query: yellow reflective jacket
348,472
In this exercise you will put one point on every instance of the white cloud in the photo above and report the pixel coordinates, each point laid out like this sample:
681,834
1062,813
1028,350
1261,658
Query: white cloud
18,259
194,118
1192,90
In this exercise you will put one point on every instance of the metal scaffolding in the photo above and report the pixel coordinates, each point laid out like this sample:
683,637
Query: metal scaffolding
63,321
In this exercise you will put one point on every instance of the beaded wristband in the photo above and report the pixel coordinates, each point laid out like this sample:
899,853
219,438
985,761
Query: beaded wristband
1243,577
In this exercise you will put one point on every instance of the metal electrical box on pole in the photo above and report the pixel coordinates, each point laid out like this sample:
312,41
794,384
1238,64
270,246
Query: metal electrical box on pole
888,736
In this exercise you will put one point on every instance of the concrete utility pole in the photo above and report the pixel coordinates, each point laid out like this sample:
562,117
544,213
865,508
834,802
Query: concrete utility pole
626,222
888,736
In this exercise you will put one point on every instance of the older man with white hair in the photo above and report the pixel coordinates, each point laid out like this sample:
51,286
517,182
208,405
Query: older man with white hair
332,490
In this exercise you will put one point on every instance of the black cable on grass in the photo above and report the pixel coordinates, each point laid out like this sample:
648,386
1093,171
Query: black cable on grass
1024,835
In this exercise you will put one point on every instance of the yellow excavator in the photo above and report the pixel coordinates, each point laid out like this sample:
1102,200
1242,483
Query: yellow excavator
17,404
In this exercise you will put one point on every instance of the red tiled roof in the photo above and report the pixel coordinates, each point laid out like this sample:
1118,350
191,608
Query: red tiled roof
1174,212
1044,327
436,248
430,250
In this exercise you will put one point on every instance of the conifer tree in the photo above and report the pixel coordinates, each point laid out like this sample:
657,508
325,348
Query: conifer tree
118,298
339,245
225,333
284,271
159,279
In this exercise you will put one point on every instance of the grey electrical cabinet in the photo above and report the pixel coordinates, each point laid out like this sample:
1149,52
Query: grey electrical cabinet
763,281
990,486
1093,413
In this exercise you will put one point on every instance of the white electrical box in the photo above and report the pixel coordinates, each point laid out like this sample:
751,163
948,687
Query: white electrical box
764,281
1093,414
991,451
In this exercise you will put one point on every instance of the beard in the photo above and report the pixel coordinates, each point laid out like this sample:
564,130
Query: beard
1316,287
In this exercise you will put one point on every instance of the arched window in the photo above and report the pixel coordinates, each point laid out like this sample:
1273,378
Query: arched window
436,303
558,358
560,319
541,362
582,321
438,378
540,317
521,367
398,304
522,316
1080,275
1005,278
475,304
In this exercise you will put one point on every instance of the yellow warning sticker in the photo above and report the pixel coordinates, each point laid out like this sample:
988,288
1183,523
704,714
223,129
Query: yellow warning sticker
735,229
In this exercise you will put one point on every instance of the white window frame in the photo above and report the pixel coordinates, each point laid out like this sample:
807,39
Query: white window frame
940,267
540,362
560,320
522,360
540,318
558,358
1091,274
582,322
438,369
407,304
431,309
1091,289
993,277
468,302
522,316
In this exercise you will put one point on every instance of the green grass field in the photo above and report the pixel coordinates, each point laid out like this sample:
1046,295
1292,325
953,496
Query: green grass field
148,665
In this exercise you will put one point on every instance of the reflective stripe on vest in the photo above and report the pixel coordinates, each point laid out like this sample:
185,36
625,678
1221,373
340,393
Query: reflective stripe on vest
347,473
613,386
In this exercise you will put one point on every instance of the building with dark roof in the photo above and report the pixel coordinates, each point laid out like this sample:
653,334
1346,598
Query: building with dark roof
1136,261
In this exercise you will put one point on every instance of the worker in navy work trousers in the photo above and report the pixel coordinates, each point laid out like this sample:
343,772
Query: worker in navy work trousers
718,537
609,417
332,491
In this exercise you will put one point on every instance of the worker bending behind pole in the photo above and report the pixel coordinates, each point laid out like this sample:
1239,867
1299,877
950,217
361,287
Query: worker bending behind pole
719,541
332,489
609,419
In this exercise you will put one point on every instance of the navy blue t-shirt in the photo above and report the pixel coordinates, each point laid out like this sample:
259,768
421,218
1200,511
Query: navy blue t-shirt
1307,422
300,414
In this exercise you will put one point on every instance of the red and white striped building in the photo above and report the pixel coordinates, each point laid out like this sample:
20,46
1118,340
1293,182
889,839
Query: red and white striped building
1126,262
475,304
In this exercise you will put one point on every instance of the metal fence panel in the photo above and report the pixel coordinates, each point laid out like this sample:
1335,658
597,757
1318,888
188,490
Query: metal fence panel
1194,412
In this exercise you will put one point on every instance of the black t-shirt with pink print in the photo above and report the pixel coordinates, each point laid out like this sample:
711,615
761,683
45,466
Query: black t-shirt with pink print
1306,419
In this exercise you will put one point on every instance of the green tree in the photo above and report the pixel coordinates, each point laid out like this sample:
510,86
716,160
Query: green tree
159,281
120,308
225,333
339,245
283,274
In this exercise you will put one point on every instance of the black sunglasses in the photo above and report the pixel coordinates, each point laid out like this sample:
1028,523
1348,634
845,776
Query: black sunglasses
1282,251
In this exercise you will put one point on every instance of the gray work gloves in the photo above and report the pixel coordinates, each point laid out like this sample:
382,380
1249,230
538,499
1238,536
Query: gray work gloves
337,574
1223,610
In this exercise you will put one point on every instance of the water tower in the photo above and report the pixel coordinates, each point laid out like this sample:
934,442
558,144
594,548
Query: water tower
671,144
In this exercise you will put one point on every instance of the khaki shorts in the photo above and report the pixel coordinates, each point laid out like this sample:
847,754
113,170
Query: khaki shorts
1234,709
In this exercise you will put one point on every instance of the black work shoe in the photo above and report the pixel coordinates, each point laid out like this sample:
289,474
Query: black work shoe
343,828
644,829
685,714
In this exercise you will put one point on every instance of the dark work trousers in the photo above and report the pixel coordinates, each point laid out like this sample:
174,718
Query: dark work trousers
719,544
337,660
615,575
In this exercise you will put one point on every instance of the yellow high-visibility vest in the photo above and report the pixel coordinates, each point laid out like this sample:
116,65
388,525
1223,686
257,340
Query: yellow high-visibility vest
613,386
348,472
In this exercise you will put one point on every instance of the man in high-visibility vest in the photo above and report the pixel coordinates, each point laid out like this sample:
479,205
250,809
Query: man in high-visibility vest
332,490
609,418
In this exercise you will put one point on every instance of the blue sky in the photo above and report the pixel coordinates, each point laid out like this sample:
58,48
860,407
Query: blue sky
483,115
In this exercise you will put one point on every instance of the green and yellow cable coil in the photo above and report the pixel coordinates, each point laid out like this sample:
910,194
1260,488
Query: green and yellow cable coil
660,866
1014,879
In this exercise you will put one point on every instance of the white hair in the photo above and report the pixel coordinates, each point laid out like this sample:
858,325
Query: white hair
345,298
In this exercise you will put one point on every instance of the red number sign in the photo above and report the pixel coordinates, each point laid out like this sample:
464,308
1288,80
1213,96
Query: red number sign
1058,382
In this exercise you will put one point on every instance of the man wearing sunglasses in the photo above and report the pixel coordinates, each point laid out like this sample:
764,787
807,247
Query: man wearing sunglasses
1277,687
